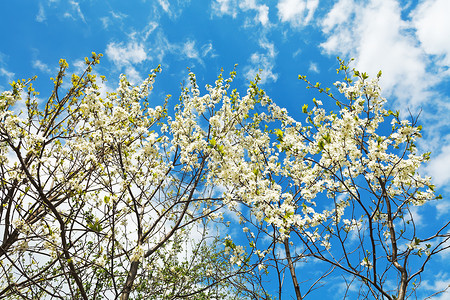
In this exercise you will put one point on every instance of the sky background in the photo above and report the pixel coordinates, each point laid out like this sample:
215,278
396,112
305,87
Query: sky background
408,40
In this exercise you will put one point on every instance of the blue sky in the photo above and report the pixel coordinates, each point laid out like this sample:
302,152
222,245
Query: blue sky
408,40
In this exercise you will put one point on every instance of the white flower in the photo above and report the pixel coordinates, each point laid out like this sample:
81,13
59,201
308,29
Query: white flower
100,261
137,254
366,263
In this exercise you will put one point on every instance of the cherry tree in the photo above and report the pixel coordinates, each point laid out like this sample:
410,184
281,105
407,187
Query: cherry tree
338,190
104,197
108,196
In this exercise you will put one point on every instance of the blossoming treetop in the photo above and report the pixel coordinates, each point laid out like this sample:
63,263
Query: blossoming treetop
101,194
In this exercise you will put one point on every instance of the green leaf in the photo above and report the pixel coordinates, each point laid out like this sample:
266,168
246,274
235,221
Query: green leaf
321,144
96,226
279,134
220,149
212,142
305,108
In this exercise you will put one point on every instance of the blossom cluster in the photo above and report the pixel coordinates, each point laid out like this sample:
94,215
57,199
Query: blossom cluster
94,158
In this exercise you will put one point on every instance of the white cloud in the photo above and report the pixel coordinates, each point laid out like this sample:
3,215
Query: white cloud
40,17
208,49
416,216
339,14
432,25
262,10
189,50
297,12
151,40
443,207
343,287
437,167
225,7
263,14
313,67
439,284
76,12
161,46
41,66
165,5
105,21
232,7
379,39
149,29
68,15
76,8
118,15
270,47
126,56
172,8
445,254
263,61
297,53
8,75
123,55
133,75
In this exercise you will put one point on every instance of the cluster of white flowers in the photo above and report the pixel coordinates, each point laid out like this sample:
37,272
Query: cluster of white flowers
249,163
138,253
236,252
352,224
366,263
247,144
